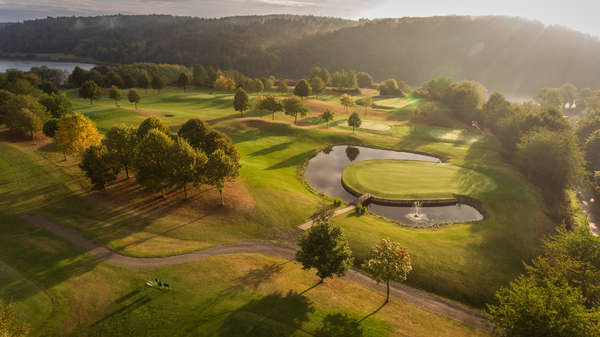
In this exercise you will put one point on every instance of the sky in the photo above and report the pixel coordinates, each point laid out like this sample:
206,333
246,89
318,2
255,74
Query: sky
576,14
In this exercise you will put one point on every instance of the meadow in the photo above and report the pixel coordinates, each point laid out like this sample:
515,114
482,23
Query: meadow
242,294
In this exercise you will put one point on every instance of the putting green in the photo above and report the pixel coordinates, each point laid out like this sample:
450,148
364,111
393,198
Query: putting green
405,179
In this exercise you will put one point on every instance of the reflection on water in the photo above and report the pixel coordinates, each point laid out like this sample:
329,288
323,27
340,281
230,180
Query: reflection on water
324,174
26,65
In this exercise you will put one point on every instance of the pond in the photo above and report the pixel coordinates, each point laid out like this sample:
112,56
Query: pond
324,174
26,65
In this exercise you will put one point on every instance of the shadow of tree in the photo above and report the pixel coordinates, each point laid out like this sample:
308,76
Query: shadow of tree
255,277
275,315
339,325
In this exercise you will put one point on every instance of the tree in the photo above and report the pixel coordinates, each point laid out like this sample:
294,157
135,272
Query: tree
183,81
10,325
592,150
532,308
437,89
327,116
367,102
200,76
5,97
389,262
23,114
50,127
317,85
240,101
57,105
496,108
268,83
120,142
112,78
114,93
272,104
321,73
195,132
97,165
365,80
151,123
216,140
153,160
389,88
549,98
325,248
221,168
75,134
134,97
302,89
259,86
354,121
49,88
568,94
128,81
224,83
551,160
282,87
187,165
90,90
158,83
587,125
144,80
78,76
294,106
346,101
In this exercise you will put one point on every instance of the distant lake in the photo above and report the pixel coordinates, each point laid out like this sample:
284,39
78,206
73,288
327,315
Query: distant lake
26,65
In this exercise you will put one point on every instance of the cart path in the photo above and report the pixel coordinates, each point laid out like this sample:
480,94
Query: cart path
428,302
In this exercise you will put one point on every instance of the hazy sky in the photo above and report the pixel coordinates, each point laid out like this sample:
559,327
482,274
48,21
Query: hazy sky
577,14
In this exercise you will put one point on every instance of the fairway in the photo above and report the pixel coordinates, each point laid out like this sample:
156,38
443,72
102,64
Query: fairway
405,179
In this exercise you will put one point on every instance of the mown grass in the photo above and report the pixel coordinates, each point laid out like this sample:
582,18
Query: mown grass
465,262
405,179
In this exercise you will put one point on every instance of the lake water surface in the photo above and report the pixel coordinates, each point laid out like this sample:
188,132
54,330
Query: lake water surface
26,65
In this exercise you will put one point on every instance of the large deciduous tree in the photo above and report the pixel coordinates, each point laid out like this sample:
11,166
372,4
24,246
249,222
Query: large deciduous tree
184,81
496,108
317,85
592,150
325,248
57,105
97,164
327,116
283,87
241,101
302,89
389,261
346,101
354,121
365,80
134,97
549,98
194,131
158,83
294,106
75,134
151,123
271,104
120,142
90,90
152,160
187,165
23,114
220,169
115,94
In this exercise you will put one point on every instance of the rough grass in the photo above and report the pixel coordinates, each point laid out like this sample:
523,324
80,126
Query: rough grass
405,179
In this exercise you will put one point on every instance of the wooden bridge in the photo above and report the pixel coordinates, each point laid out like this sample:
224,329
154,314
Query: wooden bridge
362,199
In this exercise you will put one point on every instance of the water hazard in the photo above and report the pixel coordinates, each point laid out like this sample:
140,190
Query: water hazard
324,174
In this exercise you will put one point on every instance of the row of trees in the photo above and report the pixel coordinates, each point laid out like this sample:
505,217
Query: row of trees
197,155
325,248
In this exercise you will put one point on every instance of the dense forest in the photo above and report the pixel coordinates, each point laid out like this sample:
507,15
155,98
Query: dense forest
513,55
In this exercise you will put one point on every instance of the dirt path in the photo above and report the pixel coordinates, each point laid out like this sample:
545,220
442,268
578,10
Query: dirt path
428,302
305,226
591,210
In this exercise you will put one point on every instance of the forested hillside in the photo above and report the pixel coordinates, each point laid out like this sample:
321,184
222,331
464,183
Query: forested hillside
514,55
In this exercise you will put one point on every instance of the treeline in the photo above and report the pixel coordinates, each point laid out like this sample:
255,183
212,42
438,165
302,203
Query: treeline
511,55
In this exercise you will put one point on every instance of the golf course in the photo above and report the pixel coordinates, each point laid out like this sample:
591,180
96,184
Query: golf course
58,287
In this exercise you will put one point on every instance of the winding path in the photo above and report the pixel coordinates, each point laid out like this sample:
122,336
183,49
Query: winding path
428,302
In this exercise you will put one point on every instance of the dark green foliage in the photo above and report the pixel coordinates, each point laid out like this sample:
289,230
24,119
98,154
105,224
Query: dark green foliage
221,168
361,210
144,80
327,116
134,97
587,125
55,76
344,79
294,106
158,83
465,99
200,76
98,167
216,140
496,108
302,89
592,150
90,90
57,105
129,81
321,73
317,85
390,88
23,114
364,80
112,78
187,165
49,88
240,101
152,160
325,248
50,127
120,142
194,131
184,81
151,123
282,87
5,97
337,202
115,94
549,98
272,104
77,77
354,121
